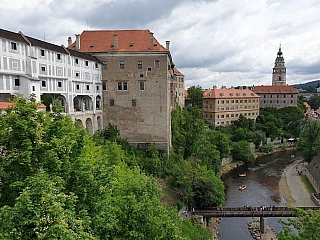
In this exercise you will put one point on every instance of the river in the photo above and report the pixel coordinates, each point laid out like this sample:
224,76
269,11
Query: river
262,183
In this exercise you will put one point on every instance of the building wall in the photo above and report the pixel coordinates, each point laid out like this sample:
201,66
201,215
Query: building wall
141,114
278,100
223,112
30,69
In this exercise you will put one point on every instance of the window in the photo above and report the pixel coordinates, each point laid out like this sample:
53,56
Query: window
76,61
87,63
104,64
141,85
141,75
78,87
59,84
43,69
42,52
98,88
111,102
121,64
122,86
59,56
43,83
134,102
96,65
16,82
139,64
149,69
157,64
33,88
88,87
13,45
104,86
77,74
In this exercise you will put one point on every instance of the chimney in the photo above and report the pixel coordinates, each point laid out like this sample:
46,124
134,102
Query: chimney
168,45
69,41
115,42
151,40
77,42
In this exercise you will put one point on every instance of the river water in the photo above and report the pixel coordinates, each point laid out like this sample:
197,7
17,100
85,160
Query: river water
262,183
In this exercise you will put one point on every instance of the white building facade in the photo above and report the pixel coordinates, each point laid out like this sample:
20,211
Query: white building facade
50,72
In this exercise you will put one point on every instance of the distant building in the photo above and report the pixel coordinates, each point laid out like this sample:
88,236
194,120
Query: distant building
140,83
31,66
222,107
277,96
313,173
279,72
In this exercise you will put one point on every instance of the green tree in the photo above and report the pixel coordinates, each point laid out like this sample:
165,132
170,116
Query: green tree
242,151
196,95
307,224
309,141
314,102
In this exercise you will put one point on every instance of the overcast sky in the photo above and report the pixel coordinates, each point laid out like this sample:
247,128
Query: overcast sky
213,42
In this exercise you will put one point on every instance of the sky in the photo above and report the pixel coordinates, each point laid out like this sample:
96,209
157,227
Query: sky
212,42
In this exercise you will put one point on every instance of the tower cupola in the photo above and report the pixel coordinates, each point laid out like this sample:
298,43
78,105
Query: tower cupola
279,70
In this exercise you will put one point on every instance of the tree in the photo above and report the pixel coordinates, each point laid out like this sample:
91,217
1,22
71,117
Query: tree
307,224
196,95
309,140
242,151
314,102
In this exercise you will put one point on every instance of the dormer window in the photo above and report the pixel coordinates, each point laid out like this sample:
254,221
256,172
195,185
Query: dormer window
244,94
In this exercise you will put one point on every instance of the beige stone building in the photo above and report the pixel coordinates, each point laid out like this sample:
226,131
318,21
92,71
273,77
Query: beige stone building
138,83
222,107
277,96
177,88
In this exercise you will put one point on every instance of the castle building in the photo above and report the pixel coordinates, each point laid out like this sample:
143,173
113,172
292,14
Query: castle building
279,70
280,94
222,107
277,96
50,72
140,83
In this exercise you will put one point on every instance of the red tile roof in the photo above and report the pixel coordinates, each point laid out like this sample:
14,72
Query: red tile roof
128,41
6,105
306,104
177,72
275,89
229,93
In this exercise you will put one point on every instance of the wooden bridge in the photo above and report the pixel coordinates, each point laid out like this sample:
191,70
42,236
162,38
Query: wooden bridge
250,211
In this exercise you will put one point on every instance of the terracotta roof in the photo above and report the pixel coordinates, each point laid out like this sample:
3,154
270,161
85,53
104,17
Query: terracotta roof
128,41
306,104
229,93
6,105
275,89
177,72
309,112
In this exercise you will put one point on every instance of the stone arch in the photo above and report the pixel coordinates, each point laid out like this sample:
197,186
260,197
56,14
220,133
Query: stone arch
78,121
99,123
98,102
89,126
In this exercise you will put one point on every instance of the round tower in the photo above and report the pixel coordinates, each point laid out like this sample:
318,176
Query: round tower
279,70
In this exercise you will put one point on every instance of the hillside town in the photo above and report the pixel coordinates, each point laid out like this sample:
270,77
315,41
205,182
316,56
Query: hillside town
128,79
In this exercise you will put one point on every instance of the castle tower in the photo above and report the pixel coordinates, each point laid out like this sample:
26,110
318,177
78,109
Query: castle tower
279,70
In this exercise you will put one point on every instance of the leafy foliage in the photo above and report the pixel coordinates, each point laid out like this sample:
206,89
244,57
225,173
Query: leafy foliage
309,141
195,93
307,224
56,183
